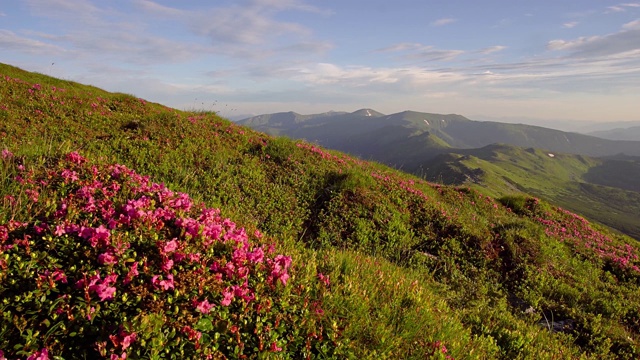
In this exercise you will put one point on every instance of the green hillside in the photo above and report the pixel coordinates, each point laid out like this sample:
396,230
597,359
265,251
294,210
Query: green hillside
605,189
132,230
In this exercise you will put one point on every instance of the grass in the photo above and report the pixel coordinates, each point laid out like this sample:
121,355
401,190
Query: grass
604,190
382,264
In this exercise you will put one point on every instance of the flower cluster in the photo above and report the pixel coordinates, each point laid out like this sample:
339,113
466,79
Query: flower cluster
577,231
111,236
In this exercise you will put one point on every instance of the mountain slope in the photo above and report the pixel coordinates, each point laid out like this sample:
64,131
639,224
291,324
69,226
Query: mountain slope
360,135
631,133
605,190
352,259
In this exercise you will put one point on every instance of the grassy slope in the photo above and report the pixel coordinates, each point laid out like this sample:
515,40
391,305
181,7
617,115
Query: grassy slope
601,189
413,266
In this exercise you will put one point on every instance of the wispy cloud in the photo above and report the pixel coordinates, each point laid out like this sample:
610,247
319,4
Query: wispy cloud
570,25
416,51
625,40
633,25
12,41
491,49
621,7
443,21
97,29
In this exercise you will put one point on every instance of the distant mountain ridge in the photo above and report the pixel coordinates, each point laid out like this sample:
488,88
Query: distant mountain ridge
584,173
630,133
408,138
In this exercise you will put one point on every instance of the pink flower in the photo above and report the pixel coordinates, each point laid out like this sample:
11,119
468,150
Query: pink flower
127,339
191,333
170,246
59,275
204,306
90,314
274,347
107,258
40,355
133,272
103,291
59,230
167,264
324,279
164,284
256,256
6,154
227,297
75,158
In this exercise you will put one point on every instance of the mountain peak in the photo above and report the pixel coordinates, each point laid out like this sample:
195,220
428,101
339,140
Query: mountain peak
367,113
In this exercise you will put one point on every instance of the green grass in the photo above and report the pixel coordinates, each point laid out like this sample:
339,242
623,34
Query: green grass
410,269
604,190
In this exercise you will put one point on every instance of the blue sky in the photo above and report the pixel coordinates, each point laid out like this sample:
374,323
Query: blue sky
547,59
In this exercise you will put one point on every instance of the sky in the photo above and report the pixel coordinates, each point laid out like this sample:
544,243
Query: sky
493,59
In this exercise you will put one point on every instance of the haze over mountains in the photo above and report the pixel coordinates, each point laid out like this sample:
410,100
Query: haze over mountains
588,174
631,133
416,136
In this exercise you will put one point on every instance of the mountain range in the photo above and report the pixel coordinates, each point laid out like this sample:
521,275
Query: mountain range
415,137
630,133
584,173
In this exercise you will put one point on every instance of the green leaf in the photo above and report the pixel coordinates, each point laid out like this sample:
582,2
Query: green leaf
204,324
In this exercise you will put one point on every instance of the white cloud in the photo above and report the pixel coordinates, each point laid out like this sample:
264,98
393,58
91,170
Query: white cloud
416,51
570,25
2,14
371,77
625,40
621,7
11,41
249,32
71,10
633,25
491,49
442,22
158,9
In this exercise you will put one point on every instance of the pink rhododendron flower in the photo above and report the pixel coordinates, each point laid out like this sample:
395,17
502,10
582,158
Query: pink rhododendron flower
59,275
104,291
167,264
227,297
6,154
256,256
123,339
164,284
133,272
204,306
40,355
170,246
275,347
75,158
191,333
107,258
324,279
69,175
59,230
